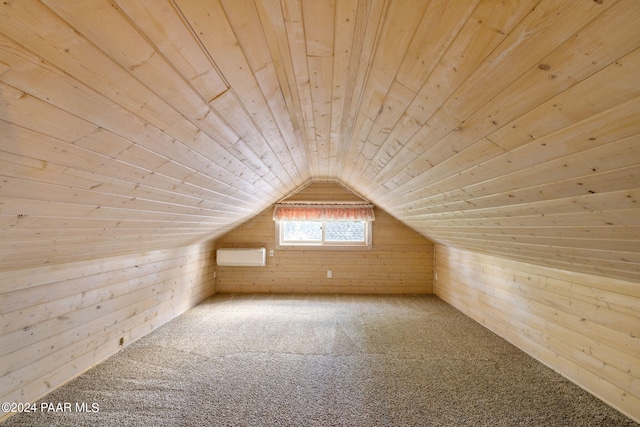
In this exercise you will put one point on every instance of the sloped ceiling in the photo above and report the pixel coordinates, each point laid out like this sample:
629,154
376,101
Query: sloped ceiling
508,127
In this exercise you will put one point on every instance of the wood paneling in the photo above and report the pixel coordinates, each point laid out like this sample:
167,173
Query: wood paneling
585,327
58,321
150,124
401,260
509,128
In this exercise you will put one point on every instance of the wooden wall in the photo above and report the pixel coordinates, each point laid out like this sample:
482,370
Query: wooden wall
504,127
58,321
401,260
585,327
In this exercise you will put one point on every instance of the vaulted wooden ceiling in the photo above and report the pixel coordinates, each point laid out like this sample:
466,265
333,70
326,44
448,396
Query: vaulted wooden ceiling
508,127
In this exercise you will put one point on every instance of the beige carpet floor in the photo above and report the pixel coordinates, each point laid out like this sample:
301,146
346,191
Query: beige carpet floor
323,360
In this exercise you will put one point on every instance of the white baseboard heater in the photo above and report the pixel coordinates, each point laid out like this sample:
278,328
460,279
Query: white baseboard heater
241,257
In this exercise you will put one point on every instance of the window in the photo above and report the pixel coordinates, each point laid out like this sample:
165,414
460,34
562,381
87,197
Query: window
301,231
324,233
324,226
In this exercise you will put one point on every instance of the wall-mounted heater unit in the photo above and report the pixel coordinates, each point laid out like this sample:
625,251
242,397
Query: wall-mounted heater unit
241,257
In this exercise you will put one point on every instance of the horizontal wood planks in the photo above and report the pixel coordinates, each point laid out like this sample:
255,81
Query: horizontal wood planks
118,113
57,321
504,128
585,327
400,261
177,120
524,134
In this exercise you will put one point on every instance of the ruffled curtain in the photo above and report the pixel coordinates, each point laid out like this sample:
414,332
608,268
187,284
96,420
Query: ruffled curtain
333,212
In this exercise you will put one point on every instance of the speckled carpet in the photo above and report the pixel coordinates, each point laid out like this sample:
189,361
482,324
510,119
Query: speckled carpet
313,360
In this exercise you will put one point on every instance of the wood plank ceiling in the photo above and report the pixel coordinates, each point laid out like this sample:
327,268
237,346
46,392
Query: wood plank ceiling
507,127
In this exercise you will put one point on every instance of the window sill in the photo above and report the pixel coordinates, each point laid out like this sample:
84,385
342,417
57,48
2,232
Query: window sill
361,248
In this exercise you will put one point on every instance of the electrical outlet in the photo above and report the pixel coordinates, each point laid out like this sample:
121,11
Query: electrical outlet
329,274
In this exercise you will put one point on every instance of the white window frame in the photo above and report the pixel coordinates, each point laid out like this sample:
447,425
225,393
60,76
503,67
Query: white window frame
323,244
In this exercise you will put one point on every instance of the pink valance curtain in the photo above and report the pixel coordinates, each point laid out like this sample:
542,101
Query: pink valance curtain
311,212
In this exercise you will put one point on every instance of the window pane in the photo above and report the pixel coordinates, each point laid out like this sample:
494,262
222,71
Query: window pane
302,231
345,231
